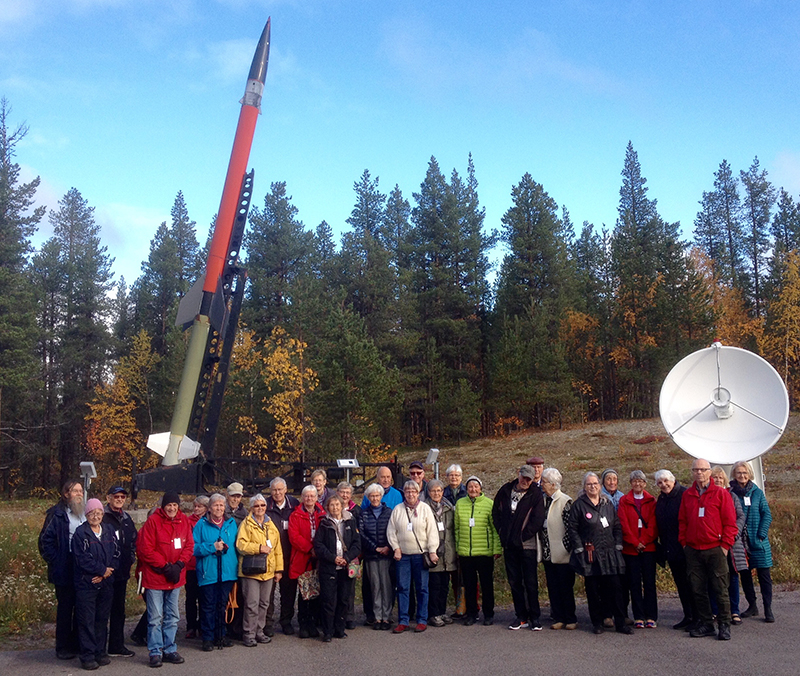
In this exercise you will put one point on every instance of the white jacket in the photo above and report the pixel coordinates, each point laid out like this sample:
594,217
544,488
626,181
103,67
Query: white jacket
424,528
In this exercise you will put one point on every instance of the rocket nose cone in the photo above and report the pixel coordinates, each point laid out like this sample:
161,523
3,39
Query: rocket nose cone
258,69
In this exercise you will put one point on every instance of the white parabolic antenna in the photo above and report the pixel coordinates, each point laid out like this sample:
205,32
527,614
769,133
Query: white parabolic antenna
724,404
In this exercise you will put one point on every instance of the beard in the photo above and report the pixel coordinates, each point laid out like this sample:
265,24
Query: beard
76,505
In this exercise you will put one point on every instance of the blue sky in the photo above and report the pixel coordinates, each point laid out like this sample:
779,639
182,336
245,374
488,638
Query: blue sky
130,101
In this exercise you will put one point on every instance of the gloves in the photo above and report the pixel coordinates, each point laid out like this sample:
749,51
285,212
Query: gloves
172,572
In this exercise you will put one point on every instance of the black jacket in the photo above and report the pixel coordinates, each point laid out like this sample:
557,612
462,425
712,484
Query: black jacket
373,532
125,530
522,525
54,546
280,517
325,544
668,506
93,555
585,526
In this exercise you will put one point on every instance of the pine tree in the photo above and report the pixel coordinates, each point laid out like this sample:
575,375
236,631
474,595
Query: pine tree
183,231
759,197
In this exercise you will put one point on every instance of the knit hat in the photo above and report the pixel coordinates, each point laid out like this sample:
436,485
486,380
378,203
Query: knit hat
474,478
169,497
638,474
606,473
92,505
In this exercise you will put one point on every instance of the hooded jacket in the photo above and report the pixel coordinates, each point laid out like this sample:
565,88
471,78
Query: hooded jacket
164,541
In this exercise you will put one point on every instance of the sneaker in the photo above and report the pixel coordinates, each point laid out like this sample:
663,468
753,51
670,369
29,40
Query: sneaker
421,626
249,642
90,666
208,646
436,621
557,625
571,625
702,630
377,626
536,626
518,624
386,626
125,652
650,624
173,658
639,624
724,632
400,628
263,638
155,661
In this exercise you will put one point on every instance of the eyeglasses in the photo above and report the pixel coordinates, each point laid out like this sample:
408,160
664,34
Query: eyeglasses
701,469
593,483
416,472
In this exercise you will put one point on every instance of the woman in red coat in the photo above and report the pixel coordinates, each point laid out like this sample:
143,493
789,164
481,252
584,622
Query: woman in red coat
303,525
637,514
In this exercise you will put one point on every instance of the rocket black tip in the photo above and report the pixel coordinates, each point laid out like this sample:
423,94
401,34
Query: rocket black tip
258,69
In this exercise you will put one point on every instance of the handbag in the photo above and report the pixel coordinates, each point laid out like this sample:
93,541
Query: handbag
308,584
427,562
354,569
254,564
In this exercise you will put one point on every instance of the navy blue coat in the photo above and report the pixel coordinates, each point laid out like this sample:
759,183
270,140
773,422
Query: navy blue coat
373,532
123,526
54,546
92,555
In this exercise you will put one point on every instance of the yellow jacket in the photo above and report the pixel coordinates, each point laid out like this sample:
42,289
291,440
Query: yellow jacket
249,540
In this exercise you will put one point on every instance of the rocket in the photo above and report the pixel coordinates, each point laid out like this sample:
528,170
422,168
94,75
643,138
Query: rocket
203,302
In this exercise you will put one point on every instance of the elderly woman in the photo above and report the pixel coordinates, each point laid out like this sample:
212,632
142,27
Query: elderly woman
96,556
737,559
439,575
199,510
668,506
477,545
555,555
345,491
637,515
377,554
319,480
759,553
336,544
304,523
260,562
609,481
454,490
217,570
411,533
595,535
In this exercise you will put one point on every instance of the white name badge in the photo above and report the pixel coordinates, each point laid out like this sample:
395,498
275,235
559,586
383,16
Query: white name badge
604,521
440,525
409,527
472,523
176,543
640,523
116,532
285,525
747,502
701,512
269,544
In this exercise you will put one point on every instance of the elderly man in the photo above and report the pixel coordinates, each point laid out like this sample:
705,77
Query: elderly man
55,538
124,528
707,530
279,508
164,547
537,463
234,509
518,516
416,471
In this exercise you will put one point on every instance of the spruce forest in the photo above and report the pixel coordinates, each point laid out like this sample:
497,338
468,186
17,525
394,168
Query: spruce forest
392,337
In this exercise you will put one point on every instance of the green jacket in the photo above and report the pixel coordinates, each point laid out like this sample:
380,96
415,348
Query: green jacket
479,539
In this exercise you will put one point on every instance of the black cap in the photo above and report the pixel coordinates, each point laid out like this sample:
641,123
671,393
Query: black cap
416,463
170,496
116,489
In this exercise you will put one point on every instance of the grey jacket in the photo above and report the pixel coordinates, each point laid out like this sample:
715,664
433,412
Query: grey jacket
447,537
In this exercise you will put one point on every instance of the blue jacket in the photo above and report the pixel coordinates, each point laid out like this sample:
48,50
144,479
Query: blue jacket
54,546
373,532
208,561
92,555
758,518
391,498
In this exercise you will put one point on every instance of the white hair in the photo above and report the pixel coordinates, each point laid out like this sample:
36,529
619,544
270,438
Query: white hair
308,489
552,476
454,468
374,488
663,474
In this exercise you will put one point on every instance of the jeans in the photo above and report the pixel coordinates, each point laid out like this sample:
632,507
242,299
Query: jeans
409,568
213,601
162,620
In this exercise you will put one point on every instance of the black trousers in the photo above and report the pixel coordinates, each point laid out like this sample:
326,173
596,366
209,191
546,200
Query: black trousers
438,586
93,607
335,589
308,613
560,588
66,622
192,601
472,568
522,576
604,594
764,581
116,629
681,579
288,589
213,602
640,570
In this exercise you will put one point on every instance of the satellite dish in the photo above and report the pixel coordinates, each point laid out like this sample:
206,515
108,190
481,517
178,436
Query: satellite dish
724,404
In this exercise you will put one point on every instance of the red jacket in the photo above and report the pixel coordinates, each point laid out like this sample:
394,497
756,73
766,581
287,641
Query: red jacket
193,519
163,540
717,526
632,532
303,557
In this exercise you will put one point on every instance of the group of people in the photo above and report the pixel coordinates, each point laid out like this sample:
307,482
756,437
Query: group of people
410,547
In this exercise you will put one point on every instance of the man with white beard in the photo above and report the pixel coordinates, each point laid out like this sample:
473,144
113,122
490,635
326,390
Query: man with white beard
55,538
